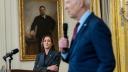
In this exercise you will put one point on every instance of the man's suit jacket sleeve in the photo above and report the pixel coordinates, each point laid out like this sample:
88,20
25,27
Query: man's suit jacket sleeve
64,56
101,39
33,26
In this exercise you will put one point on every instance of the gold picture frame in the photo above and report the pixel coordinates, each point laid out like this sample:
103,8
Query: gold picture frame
28,9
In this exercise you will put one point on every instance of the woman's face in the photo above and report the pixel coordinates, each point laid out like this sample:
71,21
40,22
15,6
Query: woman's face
47,42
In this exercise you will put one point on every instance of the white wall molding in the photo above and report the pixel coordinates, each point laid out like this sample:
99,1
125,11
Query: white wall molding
2,32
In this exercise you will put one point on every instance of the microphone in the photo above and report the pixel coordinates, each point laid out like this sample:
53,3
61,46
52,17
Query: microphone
10,54
65,29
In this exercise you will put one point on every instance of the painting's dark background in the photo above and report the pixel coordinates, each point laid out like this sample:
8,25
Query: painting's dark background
31,9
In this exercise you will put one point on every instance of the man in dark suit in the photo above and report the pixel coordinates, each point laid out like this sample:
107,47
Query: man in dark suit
91,45
43,23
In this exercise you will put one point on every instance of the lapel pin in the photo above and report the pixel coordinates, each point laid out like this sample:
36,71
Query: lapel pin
85,25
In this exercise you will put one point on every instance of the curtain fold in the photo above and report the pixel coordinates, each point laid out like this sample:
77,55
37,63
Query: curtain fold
113,21
105,9
95,7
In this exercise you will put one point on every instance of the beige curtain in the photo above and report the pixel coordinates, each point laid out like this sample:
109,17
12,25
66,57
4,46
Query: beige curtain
101,9
119,36
113,17
95,7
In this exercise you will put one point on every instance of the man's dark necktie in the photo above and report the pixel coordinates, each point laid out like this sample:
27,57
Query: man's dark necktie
75,31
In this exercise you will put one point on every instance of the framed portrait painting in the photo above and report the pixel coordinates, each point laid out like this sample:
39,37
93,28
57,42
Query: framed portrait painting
34,23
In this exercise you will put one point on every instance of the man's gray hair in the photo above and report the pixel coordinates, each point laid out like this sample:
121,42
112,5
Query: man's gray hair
87,2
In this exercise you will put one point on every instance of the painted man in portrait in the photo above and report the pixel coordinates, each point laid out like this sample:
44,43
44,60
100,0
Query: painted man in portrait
42,25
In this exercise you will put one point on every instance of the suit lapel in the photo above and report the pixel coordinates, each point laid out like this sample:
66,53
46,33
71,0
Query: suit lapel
74,48
41,59
50,57
78,34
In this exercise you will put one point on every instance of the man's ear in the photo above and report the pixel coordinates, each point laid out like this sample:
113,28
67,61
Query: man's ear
82,3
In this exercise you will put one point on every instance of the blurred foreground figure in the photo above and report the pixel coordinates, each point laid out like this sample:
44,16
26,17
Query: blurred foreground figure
91,45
